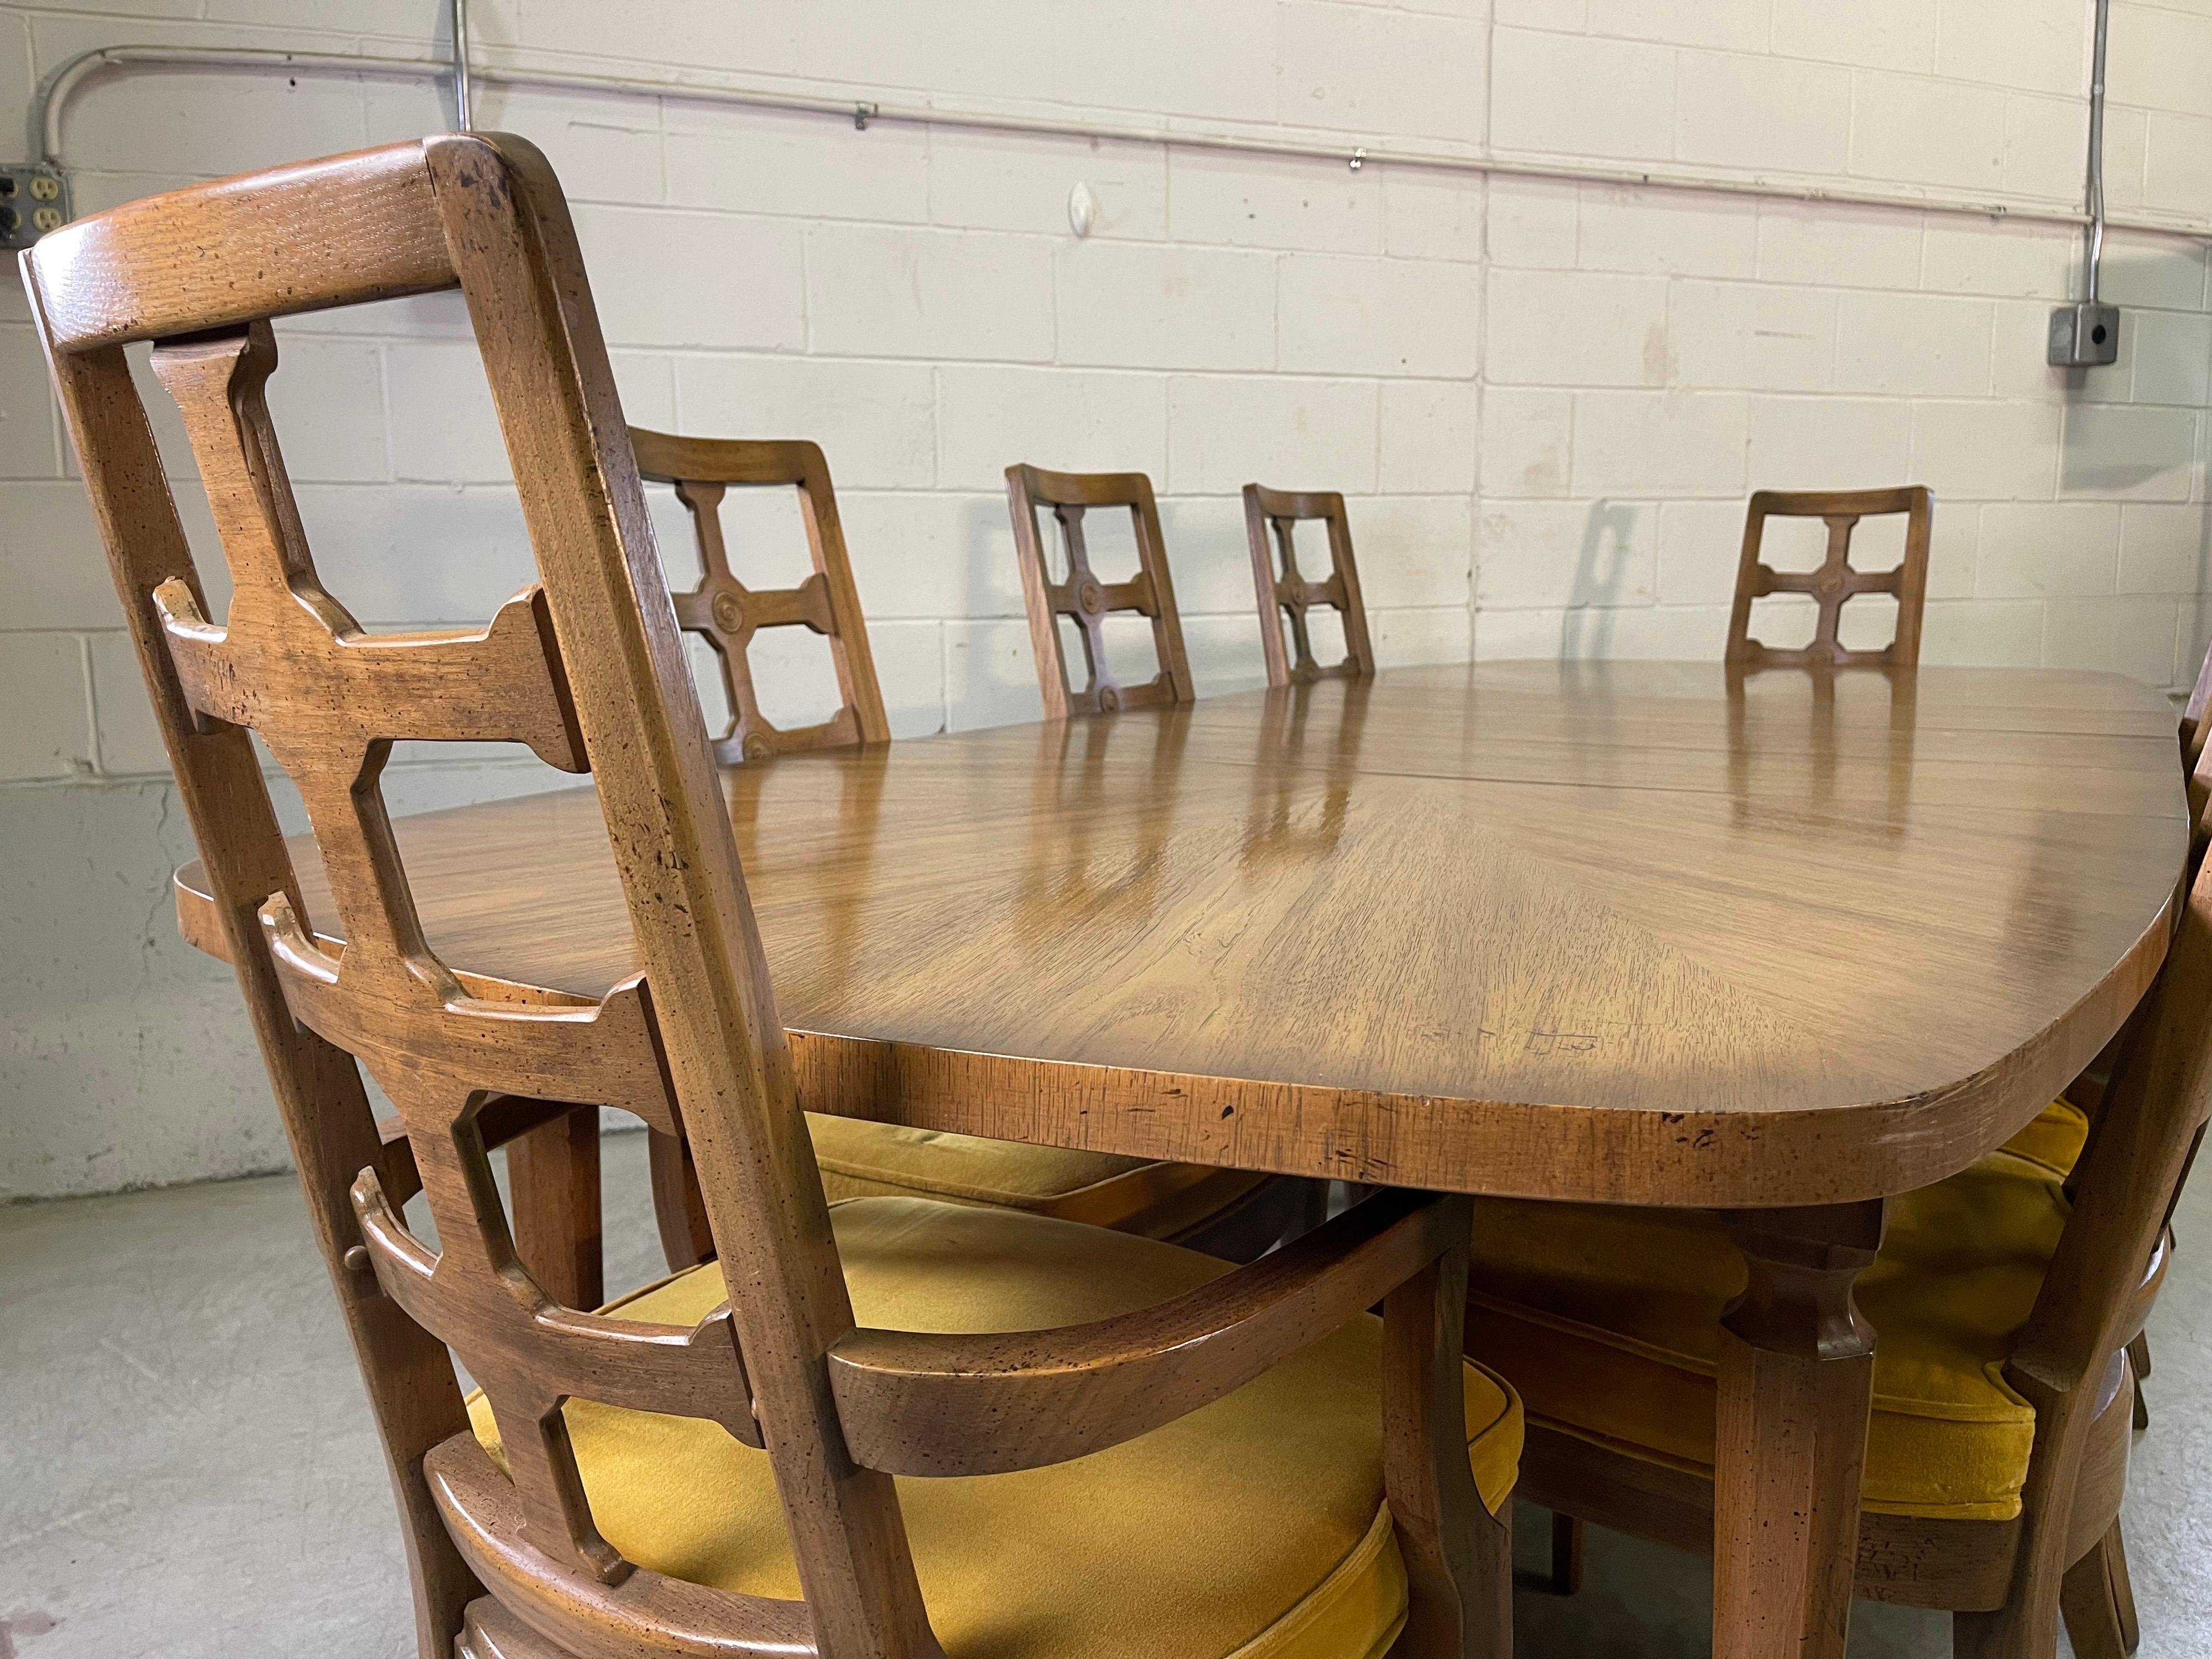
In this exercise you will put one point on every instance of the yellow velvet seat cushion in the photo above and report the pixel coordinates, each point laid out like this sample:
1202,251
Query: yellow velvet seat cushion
1253,1528
2055,1137
1608,1321
862,1159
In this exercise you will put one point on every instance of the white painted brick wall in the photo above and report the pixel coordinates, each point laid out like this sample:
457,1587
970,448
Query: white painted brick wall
1546,401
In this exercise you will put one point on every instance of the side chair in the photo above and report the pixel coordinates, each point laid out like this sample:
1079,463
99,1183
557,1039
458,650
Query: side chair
892,1428
1285,596
1229,1213
1087,600
1836,581
2008,1305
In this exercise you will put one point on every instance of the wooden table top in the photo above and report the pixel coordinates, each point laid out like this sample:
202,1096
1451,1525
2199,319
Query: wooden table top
1611,931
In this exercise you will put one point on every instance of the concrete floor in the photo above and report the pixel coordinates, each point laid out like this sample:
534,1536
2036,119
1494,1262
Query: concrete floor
188,1468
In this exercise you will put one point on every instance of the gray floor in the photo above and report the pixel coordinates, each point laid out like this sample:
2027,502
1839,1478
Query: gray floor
188,1466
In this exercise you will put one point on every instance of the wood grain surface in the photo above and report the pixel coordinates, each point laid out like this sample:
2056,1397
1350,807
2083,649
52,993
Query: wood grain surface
1626,932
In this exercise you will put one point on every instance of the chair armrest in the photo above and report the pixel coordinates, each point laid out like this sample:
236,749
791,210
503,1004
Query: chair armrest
931,1404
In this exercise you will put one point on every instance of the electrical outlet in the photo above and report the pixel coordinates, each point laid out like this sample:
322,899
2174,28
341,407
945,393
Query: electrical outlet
33,200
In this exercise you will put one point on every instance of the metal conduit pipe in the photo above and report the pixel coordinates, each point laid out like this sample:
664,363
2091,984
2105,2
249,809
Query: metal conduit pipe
2087,333
465,112
54,92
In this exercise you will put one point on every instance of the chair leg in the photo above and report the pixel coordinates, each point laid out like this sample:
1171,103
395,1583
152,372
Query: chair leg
1567,1554
2099,1603
1458,1557
2123,1590
677,1205
2139,1359
1987,1636
2026,1626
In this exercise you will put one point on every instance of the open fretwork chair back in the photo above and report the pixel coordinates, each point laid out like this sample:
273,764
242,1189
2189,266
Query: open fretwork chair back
1272,516
579,667
1835,580
587,668
1087,600
727,614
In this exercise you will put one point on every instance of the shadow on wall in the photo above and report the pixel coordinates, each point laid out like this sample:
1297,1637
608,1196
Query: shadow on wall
2134,421
1600,569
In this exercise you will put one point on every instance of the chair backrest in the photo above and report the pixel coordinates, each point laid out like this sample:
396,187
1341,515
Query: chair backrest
2144,1135
727,613
1836,580
587,668
2194,725
1086,599
1284,599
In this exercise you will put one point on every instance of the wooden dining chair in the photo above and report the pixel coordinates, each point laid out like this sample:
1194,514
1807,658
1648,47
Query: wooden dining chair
895,1427
1271,516
2087,1092
2005,1303
1087,600
726,614
1836,581
1231,1213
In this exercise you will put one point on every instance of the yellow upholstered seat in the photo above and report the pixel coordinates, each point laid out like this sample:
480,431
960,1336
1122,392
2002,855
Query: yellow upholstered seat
1608,1321
863,1159
2055,1137
1253,1528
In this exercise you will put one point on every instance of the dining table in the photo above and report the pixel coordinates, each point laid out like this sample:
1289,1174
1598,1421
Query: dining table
1781,945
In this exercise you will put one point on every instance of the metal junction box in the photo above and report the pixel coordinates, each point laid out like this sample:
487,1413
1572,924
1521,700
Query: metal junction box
2084,335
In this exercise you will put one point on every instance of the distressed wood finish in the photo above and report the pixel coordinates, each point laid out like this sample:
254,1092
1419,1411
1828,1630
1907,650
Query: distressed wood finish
1648,936
1087,600
341,975
1796,1386
1796,1367
1911,1560
1273,516
726,614
950,1405
1836,581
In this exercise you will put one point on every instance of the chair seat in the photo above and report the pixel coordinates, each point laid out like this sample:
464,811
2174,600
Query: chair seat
2055,1137
1608,1321
1254,1527
863,1159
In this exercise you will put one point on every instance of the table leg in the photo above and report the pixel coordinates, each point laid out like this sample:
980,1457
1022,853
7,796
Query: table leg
1796,1384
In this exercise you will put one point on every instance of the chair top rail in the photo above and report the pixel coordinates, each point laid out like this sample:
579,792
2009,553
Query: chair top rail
1821,503
337,232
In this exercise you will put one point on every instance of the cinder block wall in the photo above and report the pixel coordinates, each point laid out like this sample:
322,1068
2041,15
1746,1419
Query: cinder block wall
1545,399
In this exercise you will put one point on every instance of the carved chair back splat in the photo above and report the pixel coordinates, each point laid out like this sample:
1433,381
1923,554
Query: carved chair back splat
727,614
1836,581
1085,599
586,667
1284,599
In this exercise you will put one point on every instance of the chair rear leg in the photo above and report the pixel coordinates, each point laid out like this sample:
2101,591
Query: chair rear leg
2099,1603
2139,1359
1567,1554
